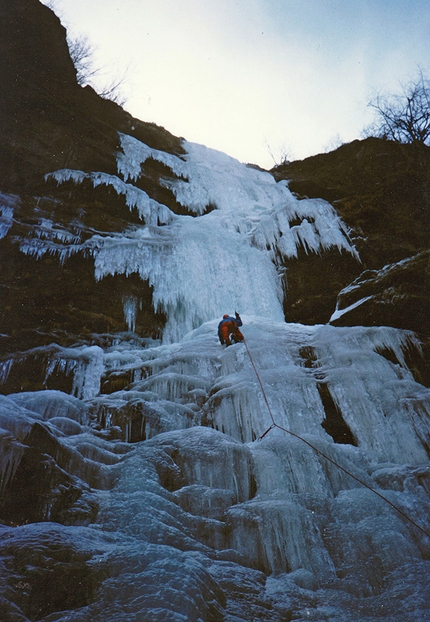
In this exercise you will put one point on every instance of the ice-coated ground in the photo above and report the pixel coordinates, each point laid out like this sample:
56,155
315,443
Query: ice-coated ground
203,521
207,511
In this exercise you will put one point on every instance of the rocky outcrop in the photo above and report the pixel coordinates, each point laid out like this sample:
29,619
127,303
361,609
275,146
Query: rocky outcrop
381,190
397,295
49,122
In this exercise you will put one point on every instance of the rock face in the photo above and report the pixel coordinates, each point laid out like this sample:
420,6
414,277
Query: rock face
397,295
48,122
381,190
142,480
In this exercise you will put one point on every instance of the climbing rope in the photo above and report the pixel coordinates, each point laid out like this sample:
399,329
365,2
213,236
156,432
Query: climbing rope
318,451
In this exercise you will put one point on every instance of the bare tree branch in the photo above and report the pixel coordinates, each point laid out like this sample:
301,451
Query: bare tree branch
405,117
82,55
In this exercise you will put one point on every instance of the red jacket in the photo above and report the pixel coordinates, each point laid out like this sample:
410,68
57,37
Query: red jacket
230,326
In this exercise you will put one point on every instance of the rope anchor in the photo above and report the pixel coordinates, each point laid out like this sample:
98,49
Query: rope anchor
267,431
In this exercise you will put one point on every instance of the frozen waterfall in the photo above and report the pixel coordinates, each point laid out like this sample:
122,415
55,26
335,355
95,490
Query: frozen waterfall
168,502
205,265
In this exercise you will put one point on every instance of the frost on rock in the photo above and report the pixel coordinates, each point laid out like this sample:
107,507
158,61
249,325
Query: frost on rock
49,404
8,203
86,364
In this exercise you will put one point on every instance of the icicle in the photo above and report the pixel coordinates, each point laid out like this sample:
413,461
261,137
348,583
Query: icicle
87,365
277,535
5,367
8,204
234,248
11,452
6,220
131,305
148,209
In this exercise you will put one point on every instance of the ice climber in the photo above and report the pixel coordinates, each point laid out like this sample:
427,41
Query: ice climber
228,329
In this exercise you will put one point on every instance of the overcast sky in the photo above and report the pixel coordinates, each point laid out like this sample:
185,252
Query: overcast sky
257,79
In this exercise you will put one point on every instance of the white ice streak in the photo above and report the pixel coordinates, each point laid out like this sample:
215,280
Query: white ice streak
202,267
339,312
8,203
148,209
378,398
86,364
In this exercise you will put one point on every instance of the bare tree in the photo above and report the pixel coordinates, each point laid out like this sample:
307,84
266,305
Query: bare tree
82,55
284,154
405,117
113,90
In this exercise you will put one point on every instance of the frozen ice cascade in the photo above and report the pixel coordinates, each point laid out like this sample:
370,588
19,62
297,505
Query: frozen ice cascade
197,517
201,265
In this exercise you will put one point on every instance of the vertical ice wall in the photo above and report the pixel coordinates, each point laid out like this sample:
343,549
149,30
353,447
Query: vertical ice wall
276,501
225,255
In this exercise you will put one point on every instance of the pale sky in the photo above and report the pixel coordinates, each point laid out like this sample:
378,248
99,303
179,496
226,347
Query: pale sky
257,79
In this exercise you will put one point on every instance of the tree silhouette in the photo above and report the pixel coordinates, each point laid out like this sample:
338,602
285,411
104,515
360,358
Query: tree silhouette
404,117
82,54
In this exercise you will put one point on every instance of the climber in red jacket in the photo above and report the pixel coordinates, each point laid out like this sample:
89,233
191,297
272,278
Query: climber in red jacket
228,329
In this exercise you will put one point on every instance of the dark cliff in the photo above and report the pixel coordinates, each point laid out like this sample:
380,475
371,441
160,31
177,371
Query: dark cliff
48,122
381,190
